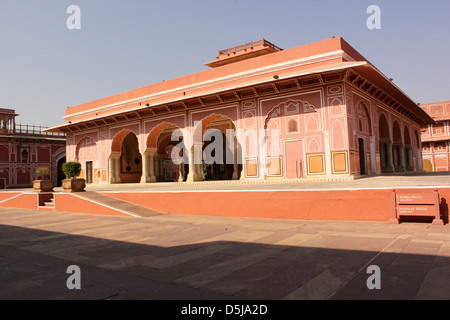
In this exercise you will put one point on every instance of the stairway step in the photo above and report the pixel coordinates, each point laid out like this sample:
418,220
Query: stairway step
46,208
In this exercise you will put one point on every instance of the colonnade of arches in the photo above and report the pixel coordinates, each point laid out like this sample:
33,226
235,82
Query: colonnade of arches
166,141
396,149
170,156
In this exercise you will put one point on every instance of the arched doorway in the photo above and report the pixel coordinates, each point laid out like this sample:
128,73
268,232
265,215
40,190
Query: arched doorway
164,160
125,161
216,150
86,153
386,161
366,141
60,173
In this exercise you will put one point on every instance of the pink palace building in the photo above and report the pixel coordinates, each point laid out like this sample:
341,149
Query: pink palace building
436,138
319,111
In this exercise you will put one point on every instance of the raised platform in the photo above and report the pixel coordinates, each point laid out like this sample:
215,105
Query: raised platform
366,199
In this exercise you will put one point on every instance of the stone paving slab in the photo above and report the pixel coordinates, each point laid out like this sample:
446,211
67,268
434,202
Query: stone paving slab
176,257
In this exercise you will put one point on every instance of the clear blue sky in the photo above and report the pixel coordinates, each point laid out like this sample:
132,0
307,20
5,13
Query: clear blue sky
122,45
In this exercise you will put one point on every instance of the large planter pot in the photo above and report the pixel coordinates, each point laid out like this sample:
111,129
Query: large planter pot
43,185
74,185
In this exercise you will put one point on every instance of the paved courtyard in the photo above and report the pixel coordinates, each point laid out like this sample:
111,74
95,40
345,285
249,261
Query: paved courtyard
216,258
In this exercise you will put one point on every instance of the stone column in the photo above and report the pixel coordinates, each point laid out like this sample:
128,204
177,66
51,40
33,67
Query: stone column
373,155
111,171
156,169
191,175
383,162
180,172
395,161
116,173
195,164
401,153
419,159
151,158
409,155
389,158
161,167
144,177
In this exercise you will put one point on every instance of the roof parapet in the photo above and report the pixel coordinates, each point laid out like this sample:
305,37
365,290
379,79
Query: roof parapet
243,52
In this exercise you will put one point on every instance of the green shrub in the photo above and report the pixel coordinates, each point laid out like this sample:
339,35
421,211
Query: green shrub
71,169
43,173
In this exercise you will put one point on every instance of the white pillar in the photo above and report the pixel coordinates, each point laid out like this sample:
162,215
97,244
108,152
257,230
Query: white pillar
191,174
195,164
151,158
145,172
111,165
180,172
116,160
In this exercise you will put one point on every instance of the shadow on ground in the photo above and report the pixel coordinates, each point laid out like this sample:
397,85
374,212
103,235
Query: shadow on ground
33,265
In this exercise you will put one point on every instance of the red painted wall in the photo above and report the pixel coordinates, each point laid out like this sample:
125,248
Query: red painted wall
355,205
71,203
24,201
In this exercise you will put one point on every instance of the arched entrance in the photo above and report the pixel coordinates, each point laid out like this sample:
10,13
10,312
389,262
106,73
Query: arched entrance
366,141
125,161
163,159
386,159
215,151
86,154
60,174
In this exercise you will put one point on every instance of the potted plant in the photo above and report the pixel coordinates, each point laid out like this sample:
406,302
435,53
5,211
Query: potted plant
73,183
43,183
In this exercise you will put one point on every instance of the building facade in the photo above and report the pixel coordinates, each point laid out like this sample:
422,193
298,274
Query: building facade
436,138
24,148
319,111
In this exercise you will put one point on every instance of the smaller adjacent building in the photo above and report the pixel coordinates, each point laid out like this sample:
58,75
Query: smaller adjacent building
436,138
24,148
